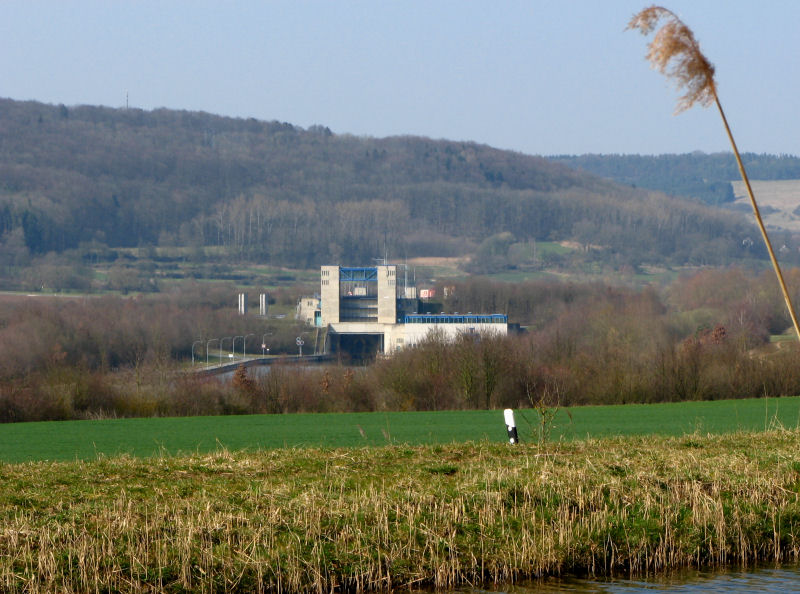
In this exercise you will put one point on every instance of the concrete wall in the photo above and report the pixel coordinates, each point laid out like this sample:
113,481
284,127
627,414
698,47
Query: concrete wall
387,294
329,293
407,335
400,336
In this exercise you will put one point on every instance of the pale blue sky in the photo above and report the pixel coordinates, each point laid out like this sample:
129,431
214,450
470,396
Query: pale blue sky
540,77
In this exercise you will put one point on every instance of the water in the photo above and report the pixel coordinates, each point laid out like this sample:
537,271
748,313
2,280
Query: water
766,579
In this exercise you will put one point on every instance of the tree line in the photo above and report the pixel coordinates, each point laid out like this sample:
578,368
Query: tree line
705,336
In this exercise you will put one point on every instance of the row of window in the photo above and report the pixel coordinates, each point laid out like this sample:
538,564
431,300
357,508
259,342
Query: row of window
456,319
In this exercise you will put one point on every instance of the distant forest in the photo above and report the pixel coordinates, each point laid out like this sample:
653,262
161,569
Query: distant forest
78,177
699,176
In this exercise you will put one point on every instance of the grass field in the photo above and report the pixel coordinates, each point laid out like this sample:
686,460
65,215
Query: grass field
86,440
377,518
780,196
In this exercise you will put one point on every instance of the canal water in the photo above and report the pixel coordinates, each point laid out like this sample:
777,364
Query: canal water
763,579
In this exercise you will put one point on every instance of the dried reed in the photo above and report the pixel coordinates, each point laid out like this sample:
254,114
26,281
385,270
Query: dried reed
377,518
674,51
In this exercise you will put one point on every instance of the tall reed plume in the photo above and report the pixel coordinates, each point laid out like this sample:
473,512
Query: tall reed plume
675,53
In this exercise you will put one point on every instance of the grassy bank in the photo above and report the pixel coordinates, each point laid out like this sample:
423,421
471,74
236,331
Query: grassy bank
70,440
373,517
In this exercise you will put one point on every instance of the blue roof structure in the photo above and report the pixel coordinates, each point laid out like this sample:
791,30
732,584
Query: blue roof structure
358,274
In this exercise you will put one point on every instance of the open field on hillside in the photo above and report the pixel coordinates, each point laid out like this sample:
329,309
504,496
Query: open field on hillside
86,440
778,201
356,519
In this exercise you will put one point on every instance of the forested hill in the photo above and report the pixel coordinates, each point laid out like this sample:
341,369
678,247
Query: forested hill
301,197
700,176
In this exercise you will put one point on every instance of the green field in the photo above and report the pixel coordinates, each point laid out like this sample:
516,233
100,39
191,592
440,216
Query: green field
86,440
400,518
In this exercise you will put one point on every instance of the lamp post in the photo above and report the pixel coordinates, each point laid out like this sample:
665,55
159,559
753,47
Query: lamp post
244,345
221,340
194,343
208,344
264,343
233,346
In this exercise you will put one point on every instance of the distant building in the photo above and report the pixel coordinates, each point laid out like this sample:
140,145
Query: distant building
308,311
369,310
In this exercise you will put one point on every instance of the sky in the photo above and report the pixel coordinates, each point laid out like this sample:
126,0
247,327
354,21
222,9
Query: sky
542,77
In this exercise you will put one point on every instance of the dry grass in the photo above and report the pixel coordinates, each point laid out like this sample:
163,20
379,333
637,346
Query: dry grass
376,518
674,51
438,261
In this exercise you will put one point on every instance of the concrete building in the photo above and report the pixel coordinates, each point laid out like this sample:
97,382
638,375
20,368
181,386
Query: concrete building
371,310
308,311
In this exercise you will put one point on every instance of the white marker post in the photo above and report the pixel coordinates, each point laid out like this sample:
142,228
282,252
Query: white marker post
511,426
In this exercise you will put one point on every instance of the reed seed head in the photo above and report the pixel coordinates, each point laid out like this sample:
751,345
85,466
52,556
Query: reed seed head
675,53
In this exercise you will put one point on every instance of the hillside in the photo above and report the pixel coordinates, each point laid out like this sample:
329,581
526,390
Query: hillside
277,193
698,176
779,203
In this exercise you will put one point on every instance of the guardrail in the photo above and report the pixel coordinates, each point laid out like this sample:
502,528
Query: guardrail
227,367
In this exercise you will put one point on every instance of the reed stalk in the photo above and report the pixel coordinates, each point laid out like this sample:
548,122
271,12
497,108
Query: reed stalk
675,52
